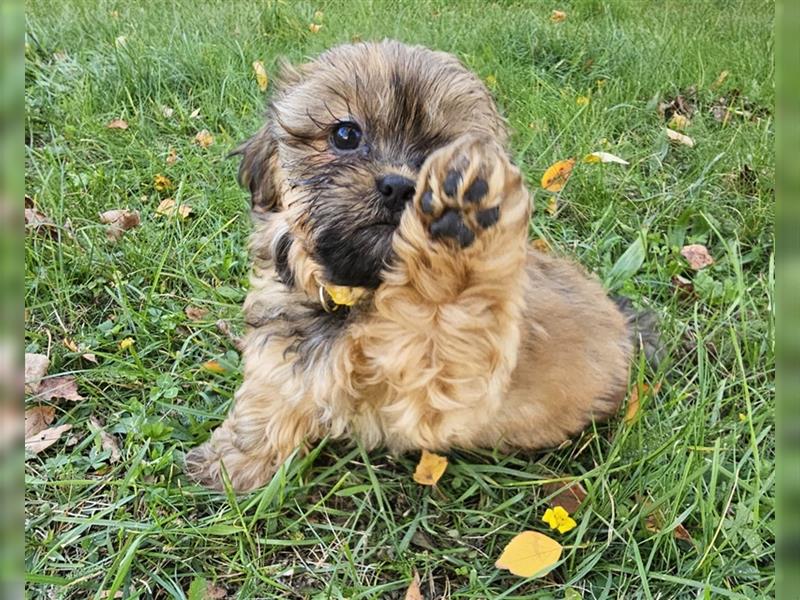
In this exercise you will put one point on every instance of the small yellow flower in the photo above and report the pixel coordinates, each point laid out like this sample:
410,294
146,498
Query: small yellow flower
558,518
126,343
582,100
742,417
491,81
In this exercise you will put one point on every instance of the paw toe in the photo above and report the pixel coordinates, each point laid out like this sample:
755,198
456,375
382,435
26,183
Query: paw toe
451,225
426,202
451,182
476,191
487,218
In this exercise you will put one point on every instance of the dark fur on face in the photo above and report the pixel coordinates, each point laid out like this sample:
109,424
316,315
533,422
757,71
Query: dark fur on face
406,101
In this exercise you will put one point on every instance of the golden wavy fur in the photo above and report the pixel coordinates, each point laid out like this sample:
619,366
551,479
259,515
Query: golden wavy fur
464,336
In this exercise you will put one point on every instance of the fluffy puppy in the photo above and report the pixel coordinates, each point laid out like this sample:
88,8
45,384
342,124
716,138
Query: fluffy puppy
394,296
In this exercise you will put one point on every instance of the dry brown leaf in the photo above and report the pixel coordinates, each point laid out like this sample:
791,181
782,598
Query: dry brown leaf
225,329
570,497
64,387
680,138
204,138
107,441
90,356
541,245
195,313
697,256
430,469
261,75
557,174
36,366
70,345
413,592
172,156
682,285
37,419
37,221
215,592
681,533
169,208
117,124
558,16
119,221
45,438
530,553
682,104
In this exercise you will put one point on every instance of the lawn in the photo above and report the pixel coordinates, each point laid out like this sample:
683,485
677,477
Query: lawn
680,497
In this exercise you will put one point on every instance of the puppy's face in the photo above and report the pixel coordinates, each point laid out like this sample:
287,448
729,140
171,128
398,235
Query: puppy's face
345,138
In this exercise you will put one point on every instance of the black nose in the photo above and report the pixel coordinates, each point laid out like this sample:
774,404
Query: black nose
396,190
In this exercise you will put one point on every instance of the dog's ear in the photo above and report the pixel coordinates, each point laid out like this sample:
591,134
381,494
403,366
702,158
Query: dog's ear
257,171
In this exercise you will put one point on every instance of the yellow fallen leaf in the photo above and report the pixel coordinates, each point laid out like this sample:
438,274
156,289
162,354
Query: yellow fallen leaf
719,80
261,75
632,410
70,345
558,16
162,183
557,174
314,28
213,366
604,157
582,100
344,295
552,206
169,208
680,138
126,343
679,121
204,138
491,81
530,553
558,518
541,245
117,124
430,469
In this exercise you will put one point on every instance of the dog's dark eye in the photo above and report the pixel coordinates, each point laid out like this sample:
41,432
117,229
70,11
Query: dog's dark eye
346,136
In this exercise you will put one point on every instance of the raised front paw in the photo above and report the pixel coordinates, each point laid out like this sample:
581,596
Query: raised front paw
467,188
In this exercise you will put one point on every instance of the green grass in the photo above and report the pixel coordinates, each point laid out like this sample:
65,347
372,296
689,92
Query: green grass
341,523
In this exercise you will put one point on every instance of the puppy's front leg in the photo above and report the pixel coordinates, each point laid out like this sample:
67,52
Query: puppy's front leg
450,308
259,433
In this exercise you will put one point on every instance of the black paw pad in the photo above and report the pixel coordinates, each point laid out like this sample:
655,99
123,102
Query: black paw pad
426,202
487,218
476,191
451,225
451,182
